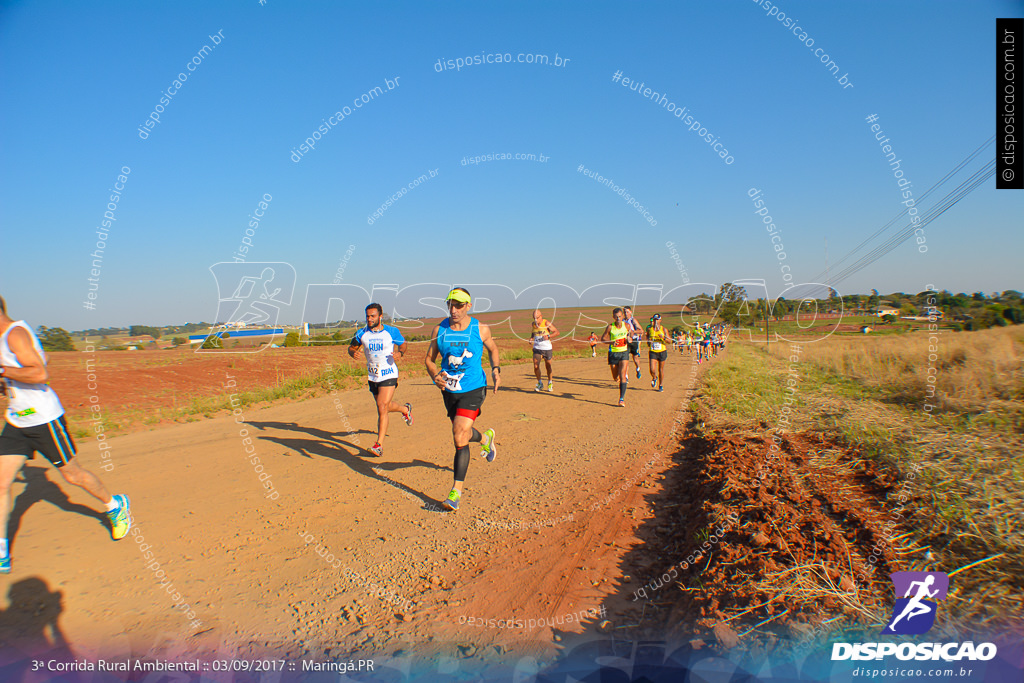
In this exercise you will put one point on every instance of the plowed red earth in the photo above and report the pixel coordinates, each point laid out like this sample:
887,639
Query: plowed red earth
807,509
143,388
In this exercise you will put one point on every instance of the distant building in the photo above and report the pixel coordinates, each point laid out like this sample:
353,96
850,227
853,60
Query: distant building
138,341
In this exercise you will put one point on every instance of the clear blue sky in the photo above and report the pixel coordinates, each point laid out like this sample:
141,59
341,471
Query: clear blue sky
80,78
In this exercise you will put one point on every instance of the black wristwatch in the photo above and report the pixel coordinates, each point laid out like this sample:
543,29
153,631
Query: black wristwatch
498,368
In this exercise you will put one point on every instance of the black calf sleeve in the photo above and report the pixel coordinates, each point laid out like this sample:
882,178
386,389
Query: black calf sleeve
461,463
477,436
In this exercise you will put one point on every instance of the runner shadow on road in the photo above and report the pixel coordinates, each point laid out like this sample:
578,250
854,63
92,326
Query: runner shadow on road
560,394
313,431
29,629
599,384
38,487
329,445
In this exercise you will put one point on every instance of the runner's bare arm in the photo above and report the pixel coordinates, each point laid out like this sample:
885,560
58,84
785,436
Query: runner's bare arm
354,347
552,331
492,353
401,349
607,331
430,361
33,369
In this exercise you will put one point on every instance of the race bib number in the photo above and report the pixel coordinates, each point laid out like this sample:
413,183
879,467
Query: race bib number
454,382
657,346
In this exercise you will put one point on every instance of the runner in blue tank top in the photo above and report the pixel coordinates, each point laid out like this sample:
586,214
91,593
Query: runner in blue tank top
460,341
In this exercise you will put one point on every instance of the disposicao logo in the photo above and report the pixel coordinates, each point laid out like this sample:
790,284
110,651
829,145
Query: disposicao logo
914,614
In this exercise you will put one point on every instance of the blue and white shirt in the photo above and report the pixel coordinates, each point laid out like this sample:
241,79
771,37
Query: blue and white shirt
379,348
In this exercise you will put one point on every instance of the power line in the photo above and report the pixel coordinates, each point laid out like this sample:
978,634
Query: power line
956,169
946,203
974,181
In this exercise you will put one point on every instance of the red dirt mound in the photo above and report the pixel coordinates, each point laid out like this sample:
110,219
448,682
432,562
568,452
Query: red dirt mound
760,544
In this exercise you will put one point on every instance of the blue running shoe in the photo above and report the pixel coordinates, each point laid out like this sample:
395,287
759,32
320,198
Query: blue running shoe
487,448
120,517
452,501
5,565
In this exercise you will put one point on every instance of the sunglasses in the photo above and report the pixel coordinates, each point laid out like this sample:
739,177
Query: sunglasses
457,304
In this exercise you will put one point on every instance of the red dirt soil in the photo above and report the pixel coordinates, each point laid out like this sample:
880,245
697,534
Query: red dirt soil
816,509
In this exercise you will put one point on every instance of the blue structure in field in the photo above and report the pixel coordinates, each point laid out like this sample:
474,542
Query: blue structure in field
238,334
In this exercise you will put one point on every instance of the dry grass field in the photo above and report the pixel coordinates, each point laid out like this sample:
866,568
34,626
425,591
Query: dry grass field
938,422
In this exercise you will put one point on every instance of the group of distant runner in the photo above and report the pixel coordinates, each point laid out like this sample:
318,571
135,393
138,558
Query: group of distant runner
459,342
35,417
705,341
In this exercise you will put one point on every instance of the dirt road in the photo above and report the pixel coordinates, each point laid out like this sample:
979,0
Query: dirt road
540,534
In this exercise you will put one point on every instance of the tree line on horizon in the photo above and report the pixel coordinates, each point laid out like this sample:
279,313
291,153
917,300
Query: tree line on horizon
977,311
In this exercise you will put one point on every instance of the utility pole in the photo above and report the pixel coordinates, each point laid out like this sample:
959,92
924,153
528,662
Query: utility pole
828,278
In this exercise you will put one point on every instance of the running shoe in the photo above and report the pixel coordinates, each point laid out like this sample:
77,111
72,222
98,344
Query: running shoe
452,501
622,403
408,416
654,383
120,518
661,388
487,448
638,373
5,565
551,386
377,449
539,387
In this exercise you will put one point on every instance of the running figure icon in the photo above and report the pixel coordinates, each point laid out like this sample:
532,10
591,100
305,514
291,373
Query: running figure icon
914,613
915,607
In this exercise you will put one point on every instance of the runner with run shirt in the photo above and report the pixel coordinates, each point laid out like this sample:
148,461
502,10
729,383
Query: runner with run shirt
35,423
541,335
618,352
657,336
593,345
635,334
460,341
379,343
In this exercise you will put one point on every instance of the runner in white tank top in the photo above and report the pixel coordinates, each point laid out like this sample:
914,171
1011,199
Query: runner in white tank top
28,404
35,423
379,343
